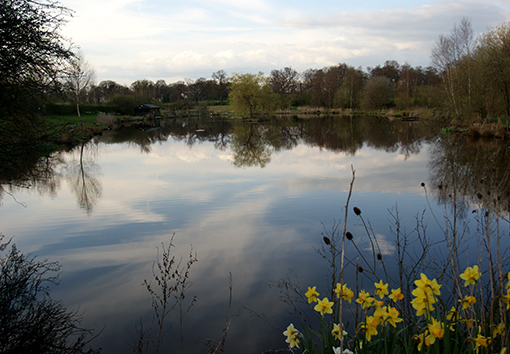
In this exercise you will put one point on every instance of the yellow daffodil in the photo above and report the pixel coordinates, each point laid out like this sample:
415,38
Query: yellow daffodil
506,298
291,331
428,285
392,316
471,275
467,301
452,315
396,294
480,341
311,294
364,299
338,290
324,306
337,331
294,343
381,289
436,330
508,283
380,314
292,336
370,327
499,329
423,301
347,294
422,339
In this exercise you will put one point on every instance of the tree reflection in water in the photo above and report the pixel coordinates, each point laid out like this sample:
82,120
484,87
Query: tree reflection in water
471,172
82,175
474,167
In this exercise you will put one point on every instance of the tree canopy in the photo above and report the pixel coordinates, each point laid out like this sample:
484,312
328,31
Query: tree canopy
251,94
32,51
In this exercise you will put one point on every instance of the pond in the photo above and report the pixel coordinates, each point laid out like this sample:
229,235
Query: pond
250,200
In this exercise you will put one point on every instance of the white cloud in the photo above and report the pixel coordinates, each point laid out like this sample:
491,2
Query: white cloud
131,39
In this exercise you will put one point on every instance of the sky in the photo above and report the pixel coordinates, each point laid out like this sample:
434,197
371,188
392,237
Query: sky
129,40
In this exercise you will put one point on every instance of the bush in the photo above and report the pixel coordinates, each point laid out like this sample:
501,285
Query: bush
30,321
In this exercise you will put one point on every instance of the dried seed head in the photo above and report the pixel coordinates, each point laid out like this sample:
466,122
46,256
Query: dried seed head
379,256
348,235
423,184
440,186
356,210
327,241
479,195
360,269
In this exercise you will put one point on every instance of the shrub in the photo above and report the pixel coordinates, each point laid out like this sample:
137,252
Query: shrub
30,321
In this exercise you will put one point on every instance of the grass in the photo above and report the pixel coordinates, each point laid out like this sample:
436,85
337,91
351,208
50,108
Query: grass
72,119
218,109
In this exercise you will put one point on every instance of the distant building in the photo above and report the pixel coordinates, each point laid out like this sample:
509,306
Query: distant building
148,108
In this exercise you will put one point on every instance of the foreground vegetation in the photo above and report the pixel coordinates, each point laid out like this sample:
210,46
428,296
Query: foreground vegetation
424,306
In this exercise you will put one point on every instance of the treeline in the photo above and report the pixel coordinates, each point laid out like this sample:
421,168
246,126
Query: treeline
337,86
469,77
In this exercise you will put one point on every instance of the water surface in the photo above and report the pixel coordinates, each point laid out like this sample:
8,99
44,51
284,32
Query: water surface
251,200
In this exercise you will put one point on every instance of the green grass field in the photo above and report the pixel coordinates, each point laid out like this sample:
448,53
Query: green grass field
72,119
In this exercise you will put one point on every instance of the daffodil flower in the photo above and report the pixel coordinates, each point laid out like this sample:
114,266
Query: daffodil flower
324,306
471,275
347,294
396,294
428,285
364,299
499,329
422,339
452,315
370,327
337,331
467,301
480,341
392,316
506,298
292,336
312,294
423,301
381,289
436,330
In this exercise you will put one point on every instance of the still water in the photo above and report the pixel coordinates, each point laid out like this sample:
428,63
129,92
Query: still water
250,200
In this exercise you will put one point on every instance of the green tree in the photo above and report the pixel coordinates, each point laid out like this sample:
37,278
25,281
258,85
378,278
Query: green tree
251,94
124,104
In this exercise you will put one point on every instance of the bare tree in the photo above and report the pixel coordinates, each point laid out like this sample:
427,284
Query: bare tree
446,55
197,88
284,82
221,79
80,76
